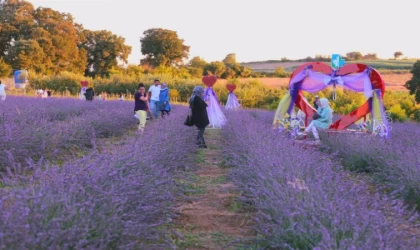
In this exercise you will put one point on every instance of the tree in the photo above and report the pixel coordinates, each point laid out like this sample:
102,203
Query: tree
55,34
413,85
215,68
197,62
104,50
16,22
398,54
370,56
163,47
196,67
230,59
354,55
59,37
26,54
5,69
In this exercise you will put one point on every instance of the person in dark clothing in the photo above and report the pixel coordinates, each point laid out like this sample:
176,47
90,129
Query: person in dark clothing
199,114
49,93
89,94
316,102
141,105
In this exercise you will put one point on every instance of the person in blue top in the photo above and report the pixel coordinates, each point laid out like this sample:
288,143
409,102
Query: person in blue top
165,107
323,120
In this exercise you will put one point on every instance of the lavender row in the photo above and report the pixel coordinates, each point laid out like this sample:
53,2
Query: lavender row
394,162
301,200
120,198
54,129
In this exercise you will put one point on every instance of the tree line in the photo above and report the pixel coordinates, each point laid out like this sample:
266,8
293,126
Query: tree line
47,42
50,43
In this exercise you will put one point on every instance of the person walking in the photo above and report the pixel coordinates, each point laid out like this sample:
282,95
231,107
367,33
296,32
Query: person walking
154,91
164,106
141,106
199,114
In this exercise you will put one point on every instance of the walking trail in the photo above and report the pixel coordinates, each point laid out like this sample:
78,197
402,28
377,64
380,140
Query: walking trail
212,218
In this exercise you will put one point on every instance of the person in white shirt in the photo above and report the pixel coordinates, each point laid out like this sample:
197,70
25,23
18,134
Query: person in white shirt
154,91
2,91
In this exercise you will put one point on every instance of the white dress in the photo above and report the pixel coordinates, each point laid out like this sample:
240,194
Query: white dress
2,92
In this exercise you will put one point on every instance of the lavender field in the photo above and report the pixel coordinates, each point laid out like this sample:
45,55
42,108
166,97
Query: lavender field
75,175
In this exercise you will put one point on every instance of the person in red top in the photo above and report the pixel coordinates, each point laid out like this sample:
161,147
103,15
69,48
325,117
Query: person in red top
141,105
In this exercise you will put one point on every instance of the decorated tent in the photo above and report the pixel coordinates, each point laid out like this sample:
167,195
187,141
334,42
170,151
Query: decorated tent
316,76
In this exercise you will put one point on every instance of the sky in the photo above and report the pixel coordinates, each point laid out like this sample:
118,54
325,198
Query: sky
257,30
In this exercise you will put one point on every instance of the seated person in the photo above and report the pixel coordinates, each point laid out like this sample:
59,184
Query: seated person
323,120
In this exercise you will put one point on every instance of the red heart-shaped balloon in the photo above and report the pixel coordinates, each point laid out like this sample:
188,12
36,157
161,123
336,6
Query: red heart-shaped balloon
84,83
209,81
231,87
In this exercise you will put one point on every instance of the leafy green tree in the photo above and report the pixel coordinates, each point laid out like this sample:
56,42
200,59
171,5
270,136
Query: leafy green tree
215,68
229,73
163,47
134,70
55,34
196,72
197,62
26,54
354,55
413,85
59,37
5,69
104,50
196,67
230,59
370,56
16,22
398,54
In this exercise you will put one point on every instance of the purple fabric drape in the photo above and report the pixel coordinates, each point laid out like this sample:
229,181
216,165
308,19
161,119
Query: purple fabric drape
232,101
311,81
214,111
209,91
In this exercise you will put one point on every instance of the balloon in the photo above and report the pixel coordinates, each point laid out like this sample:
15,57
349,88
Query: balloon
209,81
231,87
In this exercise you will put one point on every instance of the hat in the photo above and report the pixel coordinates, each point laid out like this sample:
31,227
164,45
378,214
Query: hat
317,96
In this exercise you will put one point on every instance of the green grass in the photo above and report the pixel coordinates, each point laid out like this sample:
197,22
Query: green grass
188,240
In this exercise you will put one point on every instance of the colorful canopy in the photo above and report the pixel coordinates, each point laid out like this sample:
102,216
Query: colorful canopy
316,76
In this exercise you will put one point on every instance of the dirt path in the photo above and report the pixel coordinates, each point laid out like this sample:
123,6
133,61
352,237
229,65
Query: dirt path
212,219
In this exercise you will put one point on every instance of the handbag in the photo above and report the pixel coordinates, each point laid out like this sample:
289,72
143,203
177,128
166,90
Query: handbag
188,121
316,116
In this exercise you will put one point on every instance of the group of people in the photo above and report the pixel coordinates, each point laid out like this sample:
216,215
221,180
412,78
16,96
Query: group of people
44,93
153,102
159,101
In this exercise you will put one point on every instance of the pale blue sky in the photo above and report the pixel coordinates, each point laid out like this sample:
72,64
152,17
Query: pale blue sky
258,30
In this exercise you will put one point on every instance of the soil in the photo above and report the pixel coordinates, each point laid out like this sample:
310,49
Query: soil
211,219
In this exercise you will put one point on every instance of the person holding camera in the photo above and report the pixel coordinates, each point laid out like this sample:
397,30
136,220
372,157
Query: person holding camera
322,119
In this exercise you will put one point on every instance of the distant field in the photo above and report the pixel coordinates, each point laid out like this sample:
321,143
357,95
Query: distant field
394,72
290,66
393,82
